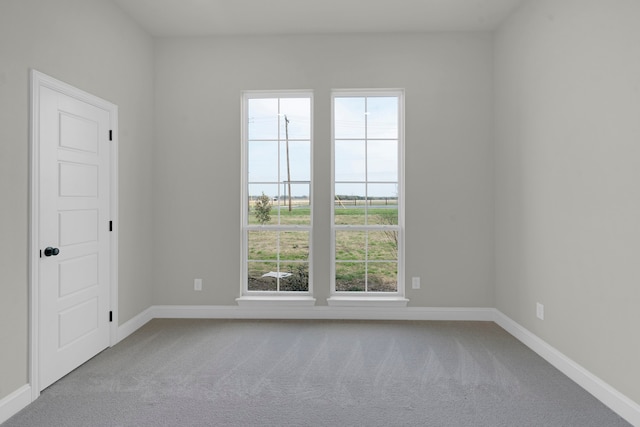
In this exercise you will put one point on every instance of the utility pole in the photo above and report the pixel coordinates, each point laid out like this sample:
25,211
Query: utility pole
286,127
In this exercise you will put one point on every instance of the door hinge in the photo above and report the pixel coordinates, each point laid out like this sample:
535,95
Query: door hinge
110,225
110,135
111,316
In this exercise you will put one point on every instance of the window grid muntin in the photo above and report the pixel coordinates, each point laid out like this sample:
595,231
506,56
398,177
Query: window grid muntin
366,261
278,227
399,182
279,261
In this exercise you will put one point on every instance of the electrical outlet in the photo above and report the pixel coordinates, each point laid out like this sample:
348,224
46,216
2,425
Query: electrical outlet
415,283
197,284
540,311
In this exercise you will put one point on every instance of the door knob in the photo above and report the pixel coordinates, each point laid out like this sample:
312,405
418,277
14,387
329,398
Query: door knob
51,251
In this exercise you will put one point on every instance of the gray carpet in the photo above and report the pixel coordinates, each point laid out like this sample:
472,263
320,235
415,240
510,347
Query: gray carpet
316,373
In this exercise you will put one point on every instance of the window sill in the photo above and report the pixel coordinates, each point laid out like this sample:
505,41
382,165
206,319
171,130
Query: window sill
364,301
276,301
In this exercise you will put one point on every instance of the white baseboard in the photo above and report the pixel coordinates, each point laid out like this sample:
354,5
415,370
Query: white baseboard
15,402
616,401
19,399
619,403
322,312
132,325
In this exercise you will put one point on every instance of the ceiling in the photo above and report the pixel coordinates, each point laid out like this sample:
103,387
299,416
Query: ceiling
165,18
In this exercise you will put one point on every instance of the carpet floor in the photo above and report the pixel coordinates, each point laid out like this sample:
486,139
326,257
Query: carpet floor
201,372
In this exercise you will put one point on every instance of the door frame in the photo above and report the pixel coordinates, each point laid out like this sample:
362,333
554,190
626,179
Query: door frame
39,80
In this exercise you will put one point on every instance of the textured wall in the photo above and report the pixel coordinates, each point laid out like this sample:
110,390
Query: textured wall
94,46
449,177
567,193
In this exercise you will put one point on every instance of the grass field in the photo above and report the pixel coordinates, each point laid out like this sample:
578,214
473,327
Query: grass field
359,254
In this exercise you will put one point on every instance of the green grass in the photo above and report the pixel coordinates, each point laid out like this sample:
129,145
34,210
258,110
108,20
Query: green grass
353,248
297,216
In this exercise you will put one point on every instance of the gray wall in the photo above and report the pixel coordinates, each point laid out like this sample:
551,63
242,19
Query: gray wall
449,170
567,180
92,45
563,178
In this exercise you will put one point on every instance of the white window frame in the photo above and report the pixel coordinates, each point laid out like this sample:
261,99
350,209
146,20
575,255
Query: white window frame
350,298
252,297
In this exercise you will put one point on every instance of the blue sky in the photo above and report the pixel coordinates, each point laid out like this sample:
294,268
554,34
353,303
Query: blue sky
375,118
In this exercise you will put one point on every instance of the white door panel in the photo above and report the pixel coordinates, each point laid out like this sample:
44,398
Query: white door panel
77,274
77,321
78,180
74,201
78,133
79,226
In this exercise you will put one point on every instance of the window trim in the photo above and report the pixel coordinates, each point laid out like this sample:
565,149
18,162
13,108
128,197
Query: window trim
288,297
368,298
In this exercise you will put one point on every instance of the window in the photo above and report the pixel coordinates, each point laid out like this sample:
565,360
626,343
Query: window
367,211
277,219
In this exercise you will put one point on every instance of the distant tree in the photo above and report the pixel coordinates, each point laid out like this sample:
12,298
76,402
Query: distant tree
263,209
390,218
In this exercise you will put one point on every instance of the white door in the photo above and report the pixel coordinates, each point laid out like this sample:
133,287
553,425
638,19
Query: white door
73,233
